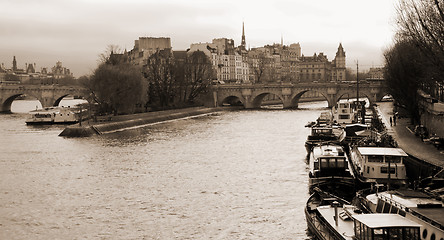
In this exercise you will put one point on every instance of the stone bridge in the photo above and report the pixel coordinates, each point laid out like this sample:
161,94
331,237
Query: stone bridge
251,95
48,95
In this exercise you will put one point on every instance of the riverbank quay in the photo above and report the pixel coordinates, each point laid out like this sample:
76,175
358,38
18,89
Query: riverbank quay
430,159
121,122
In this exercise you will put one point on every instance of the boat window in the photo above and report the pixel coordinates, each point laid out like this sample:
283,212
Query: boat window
358,232
402,213
323,131
393,159
324,163
394,209
386,207
379,206
385,170
344,116
341,163
332,162
374,158
395,233
378,234
411,233
316,165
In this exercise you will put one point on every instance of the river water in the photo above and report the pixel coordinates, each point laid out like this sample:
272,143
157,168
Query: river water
230,175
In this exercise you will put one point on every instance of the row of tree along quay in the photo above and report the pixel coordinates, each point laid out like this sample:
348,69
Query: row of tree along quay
162,82
415,62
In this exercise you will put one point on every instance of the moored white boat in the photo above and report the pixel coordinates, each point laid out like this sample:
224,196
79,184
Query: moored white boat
417,206
329,165
344,112
329,217
379,165
321,133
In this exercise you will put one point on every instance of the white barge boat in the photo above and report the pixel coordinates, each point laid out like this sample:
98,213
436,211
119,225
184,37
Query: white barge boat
331,218
379,165
417,206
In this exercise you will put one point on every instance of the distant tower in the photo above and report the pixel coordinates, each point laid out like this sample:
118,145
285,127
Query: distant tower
339,74
243,43
340,57
14,64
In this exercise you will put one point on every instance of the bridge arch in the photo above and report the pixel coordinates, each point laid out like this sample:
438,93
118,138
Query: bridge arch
382,95
258,99
233,100
297,96
7,102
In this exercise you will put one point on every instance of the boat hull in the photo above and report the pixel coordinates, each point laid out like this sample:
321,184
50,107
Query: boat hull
316,223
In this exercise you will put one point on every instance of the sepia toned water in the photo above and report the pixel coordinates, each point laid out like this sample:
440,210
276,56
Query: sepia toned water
230,175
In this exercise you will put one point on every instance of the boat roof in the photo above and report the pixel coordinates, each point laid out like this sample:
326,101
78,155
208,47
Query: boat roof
356,125
384,220
52,110
418,202
382,151
328,151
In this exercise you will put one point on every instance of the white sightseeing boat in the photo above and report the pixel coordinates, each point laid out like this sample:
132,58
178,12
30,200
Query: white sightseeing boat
54,115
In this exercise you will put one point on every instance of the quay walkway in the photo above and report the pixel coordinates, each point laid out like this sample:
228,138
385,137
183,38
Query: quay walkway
407,140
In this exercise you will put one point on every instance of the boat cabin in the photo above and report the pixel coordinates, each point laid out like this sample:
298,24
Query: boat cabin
380,163
384,226
328,160
344,113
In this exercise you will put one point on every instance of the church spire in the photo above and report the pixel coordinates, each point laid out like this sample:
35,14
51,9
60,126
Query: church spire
14,64
243,44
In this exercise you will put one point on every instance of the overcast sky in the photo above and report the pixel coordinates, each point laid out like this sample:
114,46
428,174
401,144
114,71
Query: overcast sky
75,32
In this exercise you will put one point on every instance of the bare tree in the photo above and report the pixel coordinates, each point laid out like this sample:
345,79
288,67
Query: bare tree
422,23
107,55
198,75
258,64
404,76
160,73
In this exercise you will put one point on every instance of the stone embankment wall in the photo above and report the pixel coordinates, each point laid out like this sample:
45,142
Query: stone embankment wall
134,121
432,116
